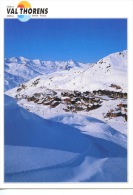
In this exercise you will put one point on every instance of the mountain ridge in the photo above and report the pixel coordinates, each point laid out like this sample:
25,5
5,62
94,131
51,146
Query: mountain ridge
25,69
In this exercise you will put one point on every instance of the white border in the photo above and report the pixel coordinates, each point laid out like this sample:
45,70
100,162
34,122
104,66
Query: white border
66,192
77,9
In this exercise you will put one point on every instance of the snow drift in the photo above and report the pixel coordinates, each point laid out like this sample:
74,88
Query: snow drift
39,150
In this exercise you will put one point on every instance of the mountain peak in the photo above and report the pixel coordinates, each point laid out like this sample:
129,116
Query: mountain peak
71,61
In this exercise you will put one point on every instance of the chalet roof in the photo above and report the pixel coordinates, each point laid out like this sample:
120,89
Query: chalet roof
40,101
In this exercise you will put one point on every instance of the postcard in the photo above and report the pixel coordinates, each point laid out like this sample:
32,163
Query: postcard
66,94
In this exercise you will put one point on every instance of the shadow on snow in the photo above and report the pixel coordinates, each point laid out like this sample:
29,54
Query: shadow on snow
23,128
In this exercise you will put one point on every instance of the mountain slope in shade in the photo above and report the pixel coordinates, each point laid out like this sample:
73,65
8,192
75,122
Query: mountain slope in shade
12,81
39,150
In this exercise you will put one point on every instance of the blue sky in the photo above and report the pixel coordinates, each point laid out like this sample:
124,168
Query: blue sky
84,40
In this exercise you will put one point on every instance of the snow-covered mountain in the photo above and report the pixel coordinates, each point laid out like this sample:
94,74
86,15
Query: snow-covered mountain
109,71
69,122
19,70
78,76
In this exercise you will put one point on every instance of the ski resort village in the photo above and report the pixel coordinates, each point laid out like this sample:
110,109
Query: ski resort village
66,121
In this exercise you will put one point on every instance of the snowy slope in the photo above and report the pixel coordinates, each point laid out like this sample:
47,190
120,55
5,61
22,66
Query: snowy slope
38,150
92,126
71,74
12,81
22,69
109,70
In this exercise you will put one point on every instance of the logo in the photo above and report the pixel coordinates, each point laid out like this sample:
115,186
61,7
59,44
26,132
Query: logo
23,5
24,11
